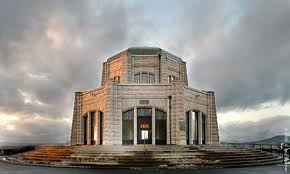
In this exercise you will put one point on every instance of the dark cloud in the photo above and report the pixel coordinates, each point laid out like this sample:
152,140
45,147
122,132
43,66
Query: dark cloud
253,131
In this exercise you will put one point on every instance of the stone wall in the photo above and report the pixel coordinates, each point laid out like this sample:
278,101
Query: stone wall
116,96
113,99
126,65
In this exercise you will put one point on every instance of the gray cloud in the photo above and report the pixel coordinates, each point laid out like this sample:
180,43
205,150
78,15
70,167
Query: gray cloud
250,64
48,50
253,131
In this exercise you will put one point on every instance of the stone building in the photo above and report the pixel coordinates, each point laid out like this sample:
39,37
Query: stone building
144,97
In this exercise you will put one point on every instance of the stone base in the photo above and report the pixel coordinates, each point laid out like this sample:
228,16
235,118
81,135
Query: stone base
184,157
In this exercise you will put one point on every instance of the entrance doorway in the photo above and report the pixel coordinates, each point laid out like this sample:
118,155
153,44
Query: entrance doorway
144,126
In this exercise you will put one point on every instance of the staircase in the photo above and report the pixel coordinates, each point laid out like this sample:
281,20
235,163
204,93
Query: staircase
150,156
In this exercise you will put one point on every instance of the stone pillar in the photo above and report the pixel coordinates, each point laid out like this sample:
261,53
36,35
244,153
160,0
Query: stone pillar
153,125
190,136
97,127
76,130
213,131
199,119
135,125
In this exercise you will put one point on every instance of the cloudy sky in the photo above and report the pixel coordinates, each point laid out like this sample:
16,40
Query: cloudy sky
49,49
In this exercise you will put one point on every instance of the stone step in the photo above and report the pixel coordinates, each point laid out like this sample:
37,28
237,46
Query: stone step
173,154
126,157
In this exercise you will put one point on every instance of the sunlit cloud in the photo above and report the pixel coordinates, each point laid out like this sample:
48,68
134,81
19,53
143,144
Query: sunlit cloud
29,98
266,110
37,76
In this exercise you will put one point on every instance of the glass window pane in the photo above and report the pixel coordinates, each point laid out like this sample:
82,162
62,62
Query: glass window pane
128,125
137,78
144,77
144,112
160,115
195,125
160,127
151,78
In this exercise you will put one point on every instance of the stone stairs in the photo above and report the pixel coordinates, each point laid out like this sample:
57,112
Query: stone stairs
150,156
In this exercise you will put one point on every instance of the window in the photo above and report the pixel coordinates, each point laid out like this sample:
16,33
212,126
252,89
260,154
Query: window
119,79
192,127
92,127
195,127
171,78
151,78
203,123
144,77
144,112
160,127
137,78
128,127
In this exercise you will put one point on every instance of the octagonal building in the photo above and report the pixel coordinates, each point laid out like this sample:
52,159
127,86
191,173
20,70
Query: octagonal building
144,97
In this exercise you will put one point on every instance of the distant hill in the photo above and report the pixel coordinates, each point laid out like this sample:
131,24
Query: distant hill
274,140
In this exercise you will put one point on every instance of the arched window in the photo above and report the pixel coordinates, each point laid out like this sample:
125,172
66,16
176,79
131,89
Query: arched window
144,77
196,127
171,78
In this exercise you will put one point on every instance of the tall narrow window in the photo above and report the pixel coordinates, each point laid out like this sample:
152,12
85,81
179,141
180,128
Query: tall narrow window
151,78
187,127
85,129
171,78
101,126
203,123
195,127
144,77
160,127
137,78
92,127
128,127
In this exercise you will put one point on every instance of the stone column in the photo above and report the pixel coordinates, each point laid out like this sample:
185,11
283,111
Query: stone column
199,119
97,127
190,136
76,130
135,125
153,125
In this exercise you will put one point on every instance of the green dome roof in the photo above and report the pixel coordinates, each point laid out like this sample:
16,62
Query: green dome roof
147,51
152,51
